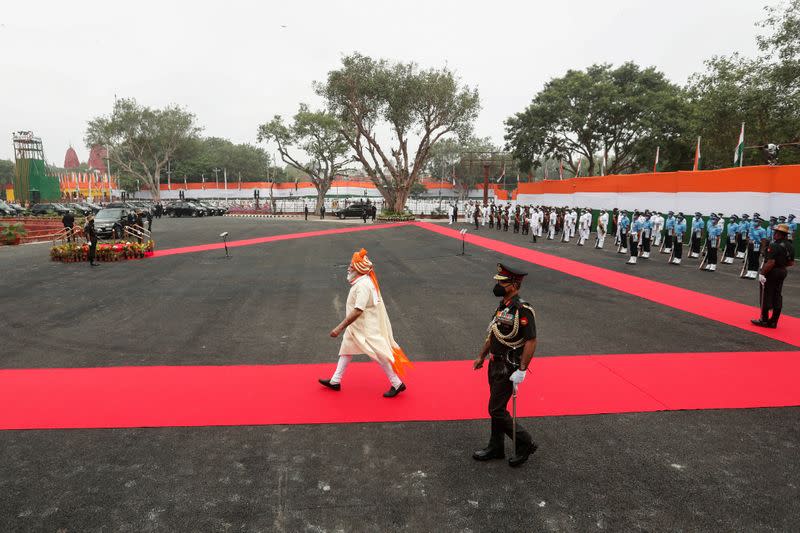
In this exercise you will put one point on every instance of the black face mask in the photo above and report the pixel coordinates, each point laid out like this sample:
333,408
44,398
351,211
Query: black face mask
499,290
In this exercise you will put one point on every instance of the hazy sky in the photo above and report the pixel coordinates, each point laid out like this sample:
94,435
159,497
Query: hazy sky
234,65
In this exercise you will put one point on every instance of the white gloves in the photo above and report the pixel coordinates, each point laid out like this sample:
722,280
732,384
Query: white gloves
762,279
517,377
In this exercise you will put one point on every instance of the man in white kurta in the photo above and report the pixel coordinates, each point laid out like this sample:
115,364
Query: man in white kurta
367,329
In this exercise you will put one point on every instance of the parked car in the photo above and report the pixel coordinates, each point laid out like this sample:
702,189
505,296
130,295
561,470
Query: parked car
207,211
20,210
353,211
94,207
143,206
49,209
214,210
80,209
110,222
6,210
184,209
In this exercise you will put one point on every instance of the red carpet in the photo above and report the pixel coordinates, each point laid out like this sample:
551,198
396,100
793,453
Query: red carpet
289,394
260,240
718,309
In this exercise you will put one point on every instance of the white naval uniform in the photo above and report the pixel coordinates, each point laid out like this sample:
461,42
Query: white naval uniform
602,229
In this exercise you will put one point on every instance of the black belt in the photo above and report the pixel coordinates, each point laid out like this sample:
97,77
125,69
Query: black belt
505,358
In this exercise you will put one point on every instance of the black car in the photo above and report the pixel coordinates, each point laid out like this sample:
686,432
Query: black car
184,209
111,222
212,209
49,209
354,210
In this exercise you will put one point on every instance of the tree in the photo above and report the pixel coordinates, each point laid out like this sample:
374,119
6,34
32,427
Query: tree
762,92
318,134
463,162
6,171
622,113
142,140
198,158
407,104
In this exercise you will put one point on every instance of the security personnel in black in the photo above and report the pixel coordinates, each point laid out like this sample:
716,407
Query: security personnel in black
779,255
68,221
509,345
91,235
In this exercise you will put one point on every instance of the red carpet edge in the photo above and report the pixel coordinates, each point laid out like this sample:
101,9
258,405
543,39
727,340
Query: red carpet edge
168,396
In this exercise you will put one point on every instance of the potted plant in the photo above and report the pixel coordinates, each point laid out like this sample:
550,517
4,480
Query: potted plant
12,233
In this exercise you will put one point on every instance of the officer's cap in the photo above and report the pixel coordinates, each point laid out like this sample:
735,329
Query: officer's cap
781,218
773,219
671,213
714,216
783,228
734,217
508,274
791,217
745,216
698,214
680,214
756,215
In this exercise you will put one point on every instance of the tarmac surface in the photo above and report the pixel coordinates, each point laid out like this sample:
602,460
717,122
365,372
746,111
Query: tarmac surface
274,303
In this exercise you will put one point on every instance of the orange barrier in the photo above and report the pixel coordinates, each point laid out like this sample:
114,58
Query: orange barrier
763,179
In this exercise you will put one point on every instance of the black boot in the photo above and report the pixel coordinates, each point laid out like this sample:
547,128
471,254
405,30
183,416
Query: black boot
521,455
488,453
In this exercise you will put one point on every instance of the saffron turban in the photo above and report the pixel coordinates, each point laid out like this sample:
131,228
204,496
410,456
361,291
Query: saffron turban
360,262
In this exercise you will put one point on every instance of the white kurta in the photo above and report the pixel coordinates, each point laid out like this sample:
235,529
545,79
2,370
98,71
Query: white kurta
371,333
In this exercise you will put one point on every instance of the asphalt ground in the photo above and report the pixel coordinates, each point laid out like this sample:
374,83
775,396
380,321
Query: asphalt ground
274,303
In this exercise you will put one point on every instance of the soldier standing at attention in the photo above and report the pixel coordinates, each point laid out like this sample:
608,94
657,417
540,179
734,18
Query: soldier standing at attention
732,234
756,235
712,242
779,255
669,231
678,229
622,228
510,346
697,235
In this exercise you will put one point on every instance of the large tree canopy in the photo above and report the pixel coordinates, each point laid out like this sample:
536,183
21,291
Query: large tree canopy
762,92
316,133
621,113
463,161
141,140
198,158
412,108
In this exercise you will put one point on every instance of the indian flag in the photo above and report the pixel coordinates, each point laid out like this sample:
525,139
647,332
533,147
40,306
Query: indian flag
655,165
738,156
697,156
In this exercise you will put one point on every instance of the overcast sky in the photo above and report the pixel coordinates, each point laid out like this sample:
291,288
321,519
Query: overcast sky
235,65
